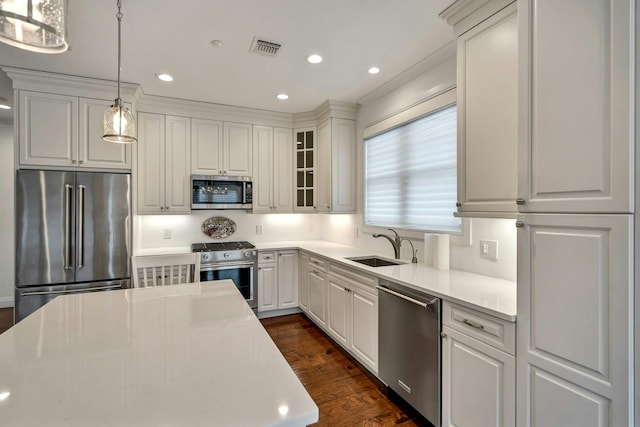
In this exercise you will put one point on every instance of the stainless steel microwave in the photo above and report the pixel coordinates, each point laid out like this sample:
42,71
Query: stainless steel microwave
221,192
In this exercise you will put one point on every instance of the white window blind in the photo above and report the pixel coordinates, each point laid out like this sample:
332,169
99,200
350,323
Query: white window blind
411,174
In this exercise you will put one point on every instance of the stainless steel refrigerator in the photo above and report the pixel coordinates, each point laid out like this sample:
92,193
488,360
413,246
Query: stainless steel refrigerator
73,234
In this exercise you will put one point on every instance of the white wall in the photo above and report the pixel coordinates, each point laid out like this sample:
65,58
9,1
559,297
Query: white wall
7,276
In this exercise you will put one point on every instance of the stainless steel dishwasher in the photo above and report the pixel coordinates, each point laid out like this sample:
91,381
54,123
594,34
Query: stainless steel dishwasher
409,346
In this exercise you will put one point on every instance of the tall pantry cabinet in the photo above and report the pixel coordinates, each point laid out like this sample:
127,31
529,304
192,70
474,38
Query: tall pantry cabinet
575,351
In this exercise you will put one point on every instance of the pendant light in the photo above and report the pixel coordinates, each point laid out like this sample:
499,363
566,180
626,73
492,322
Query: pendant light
34,25
119,123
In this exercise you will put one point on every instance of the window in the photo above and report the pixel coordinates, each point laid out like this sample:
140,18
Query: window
410,174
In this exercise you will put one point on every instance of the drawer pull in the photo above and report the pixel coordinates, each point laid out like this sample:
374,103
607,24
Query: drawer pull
473,324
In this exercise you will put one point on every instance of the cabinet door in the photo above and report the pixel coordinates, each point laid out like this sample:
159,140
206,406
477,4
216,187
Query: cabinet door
343,165
364,326
237,151
574,280
338,311
303,281
478,383
263,173
48,129
93,151
150,172
268,287
576,134
282,170
306,178
287,279
317,296
206,147
324,167
487,114
178,165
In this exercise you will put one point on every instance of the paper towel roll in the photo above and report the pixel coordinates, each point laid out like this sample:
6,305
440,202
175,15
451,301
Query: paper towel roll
441,251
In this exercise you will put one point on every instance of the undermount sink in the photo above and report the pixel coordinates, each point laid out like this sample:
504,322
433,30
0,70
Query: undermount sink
374,261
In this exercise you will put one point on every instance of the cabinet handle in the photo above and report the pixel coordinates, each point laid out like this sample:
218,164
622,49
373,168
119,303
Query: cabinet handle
519,224
315,272
81,162
161,208
458,204
520,201
472,324
73,161
166,207
443,334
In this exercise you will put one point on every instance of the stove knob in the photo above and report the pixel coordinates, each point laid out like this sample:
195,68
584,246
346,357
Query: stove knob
205,257
247,254
226,255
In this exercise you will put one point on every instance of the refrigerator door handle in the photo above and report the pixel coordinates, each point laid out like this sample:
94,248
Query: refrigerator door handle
81,190
69,291
68,189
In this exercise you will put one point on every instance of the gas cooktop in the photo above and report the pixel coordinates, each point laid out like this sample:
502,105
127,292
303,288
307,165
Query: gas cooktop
220,246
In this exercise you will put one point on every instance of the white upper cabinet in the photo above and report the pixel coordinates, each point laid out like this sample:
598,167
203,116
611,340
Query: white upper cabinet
206,147
487,114
336,166
221,148
576,133
66,131
272,169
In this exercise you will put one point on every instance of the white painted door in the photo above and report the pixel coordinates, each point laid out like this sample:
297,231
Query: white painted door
150,174
287,279
317,296
268,287
338,314
364,326
282,170
178,165
206,147
237,150
343,165
576,126
487,114
93,151
478,383
303,281
48,129
574,320
263,171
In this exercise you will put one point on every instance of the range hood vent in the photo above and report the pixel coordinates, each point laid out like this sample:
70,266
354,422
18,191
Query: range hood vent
262,46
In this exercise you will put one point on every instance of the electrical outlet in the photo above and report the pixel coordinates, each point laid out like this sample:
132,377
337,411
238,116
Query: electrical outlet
259,229
167,233
489,249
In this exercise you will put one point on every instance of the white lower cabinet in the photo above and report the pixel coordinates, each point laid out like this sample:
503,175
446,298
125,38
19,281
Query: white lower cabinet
478,379
303,281
277,280
318,284
338,318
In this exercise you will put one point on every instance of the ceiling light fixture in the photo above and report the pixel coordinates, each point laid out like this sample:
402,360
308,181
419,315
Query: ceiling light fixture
165,77
34,25
119,123
314,58
4,104
217,43
282,96
374,70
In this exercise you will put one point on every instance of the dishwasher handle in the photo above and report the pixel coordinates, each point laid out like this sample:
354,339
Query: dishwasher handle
426,305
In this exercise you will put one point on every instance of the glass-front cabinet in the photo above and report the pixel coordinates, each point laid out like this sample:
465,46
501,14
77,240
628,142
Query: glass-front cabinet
305,183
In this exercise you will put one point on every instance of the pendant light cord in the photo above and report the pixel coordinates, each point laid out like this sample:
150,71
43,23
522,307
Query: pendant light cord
119,16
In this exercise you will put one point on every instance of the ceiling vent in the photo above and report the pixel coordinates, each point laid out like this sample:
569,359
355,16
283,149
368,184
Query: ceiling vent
265,47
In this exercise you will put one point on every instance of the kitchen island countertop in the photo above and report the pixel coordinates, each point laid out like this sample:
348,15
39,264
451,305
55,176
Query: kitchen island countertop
177,355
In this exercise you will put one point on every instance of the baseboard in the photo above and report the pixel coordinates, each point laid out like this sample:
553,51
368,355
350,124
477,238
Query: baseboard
6,302
274,313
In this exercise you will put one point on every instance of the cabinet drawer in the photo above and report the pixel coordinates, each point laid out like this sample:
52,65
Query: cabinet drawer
269,256
488,329
317,263
353,275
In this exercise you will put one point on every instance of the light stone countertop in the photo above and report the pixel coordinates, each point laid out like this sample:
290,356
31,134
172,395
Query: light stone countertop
182,355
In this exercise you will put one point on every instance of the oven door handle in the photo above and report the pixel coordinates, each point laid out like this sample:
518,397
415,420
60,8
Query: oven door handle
226,265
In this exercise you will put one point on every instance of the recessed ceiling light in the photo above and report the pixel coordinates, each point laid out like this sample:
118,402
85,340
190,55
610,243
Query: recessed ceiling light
314,58
374,70
217,43
165,77
282,96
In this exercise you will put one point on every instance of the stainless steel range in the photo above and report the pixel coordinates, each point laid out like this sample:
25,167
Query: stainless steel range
237,261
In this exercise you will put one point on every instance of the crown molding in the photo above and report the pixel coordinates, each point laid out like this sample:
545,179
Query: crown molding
466,14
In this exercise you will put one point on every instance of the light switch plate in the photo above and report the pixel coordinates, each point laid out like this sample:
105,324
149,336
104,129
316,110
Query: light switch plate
489,249
259,229
166,234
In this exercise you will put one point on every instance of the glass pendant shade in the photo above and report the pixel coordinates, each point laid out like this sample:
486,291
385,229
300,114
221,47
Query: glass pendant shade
34,25
119,124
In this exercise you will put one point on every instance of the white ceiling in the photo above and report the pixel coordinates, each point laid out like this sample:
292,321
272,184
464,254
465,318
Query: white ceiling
174,37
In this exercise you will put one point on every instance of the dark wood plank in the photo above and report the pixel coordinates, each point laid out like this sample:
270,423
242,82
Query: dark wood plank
345,392
6,319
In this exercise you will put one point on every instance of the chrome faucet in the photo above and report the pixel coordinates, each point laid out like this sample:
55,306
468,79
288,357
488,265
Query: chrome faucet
395,241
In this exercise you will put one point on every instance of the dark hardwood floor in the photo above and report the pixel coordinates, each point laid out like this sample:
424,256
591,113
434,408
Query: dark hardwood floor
346,394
